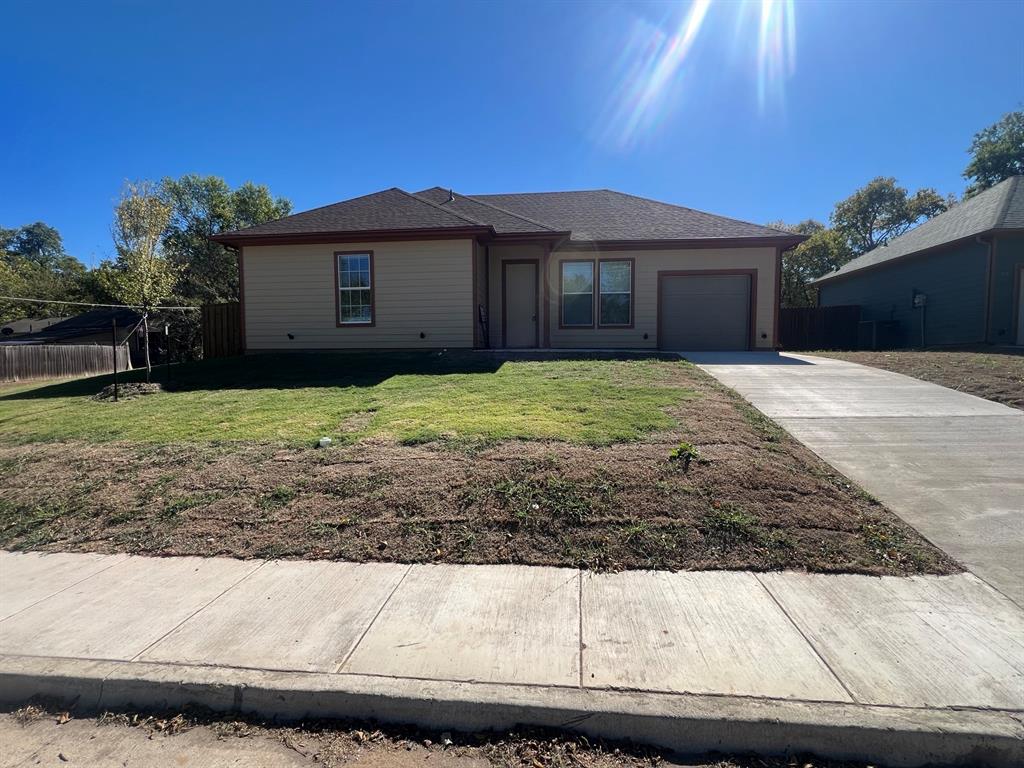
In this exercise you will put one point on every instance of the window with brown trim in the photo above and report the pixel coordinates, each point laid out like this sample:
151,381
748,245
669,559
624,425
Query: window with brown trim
355,288
577,294
615,307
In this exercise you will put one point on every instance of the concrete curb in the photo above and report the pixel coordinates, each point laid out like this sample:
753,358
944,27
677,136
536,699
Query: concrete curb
687,724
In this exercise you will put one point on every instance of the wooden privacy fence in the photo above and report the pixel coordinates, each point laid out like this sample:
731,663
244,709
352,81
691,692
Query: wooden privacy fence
819,327
19,362
222,330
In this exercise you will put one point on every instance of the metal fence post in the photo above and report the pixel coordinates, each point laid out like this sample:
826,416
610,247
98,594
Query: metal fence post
114,347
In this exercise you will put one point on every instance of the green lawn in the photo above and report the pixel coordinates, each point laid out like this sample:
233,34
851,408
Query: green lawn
414,397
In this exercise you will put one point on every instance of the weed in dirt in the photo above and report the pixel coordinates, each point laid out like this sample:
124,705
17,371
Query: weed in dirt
728,527
31,523
278,497
778,548
765,427
527,496
352,487
683,454
174,507
888,544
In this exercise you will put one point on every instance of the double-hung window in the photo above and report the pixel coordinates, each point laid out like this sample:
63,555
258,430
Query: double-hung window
577,294
355,288
616,305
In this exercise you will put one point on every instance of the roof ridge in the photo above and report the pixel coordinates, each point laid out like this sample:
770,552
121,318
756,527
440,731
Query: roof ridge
510,213
441,208
535,194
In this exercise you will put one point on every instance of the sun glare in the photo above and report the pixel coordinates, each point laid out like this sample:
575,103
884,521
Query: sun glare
658,59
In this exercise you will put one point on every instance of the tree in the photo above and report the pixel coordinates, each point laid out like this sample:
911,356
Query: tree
141,276
997,153
36,266
202,206
880,211
39,243
823,251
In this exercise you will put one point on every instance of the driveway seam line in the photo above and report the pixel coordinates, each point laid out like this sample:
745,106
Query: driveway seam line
579,575
69,586
352,650
203,607
809,642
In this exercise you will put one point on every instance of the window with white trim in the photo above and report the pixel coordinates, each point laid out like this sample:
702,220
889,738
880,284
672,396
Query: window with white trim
616,280
577,293
355,288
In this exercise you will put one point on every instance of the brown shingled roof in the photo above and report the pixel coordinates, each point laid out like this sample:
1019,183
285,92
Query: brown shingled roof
389,210
503,221
601,215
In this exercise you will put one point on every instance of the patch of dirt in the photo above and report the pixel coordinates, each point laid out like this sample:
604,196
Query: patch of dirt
994,374
752,498
168,738
128,391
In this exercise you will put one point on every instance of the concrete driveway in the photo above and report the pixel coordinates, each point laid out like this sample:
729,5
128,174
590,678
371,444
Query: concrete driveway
950,464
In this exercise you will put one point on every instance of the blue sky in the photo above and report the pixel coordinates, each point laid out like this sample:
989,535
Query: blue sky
704,106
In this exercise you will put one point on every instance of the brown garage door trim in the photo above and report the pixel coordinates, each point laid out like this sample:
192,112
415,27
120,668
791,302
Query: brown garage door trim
751,273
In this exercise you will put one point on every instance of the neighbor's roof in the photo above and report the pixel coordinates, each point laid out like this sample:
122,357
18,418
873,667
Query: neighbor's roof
998,208
86,324
600,215
28,325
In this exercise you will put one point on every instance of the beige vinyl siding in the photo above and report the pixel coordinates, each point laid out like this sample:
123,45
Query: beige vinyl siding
419,286
645,301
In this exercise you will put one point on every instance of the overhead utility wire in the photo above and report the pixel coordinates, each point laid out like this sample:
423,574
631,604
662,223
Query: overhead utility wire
85,304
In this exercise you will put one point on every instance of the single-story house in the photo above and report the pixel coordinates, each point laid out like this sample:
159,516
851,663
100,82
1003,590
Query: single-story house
94,327
958,278
591,269
27,325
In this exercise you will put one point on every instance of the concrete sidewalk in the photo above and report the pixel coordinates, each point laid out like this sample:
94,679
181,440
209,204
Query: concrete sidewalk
890,669
950,464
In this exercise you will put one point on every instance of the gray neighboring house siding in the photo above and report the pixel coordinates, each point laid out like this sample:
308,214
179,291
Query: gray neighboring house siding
1009,260
972,292
953,280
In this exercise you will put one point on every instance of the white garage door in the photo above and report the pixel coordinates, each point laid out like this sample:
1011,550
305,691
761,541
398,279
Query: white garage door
704,312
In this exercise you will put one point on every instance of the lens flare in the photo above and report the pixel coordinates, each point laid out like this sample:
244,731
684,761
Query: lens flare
658,59
776,48
649,65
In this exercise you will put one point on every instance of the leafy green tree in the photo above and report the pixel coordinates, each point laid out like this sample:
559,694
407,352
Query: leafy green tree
823,251
202,206
141,276
35,265
997,153
39,243
880,211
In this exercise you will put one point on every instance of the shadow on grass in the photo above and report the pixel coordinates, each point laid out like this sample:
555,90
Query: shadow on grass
292,370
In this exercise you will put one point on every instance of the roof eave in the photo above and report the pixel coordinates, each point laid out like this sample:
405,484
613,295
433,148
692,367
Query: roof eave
236,240
784,242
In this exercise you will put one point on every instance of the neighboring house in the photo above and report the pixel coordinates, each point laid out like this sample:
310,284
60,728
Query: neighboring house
959,276
93,327
16,328
594,269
